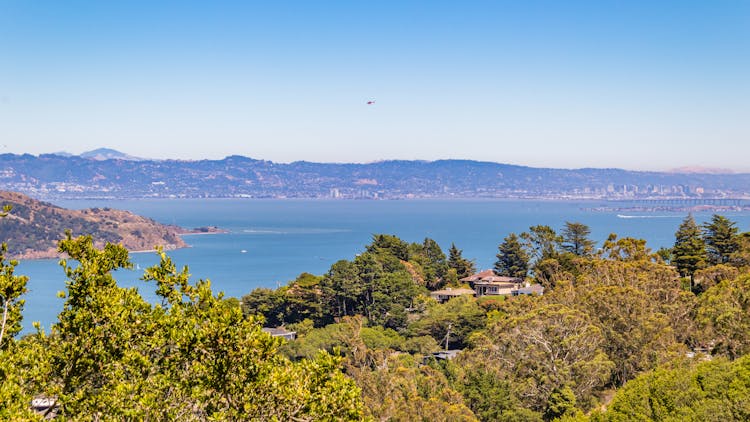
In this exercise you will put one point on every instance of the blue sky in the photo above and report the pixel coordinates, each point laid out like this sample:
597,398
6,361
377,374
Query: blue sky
646,85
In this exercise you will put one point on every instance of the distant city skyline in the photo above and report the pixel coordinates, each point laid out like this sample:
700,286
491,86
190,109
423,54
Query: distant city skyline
635,85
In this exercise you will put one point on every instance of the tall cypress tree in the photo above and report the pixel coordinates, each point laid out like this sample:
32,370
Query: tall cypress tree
435,265
512,260
721,239
689,252
576,239
463,266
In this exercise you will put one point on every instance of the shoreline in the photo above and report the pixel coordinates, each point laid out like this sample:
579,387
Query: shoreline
42,255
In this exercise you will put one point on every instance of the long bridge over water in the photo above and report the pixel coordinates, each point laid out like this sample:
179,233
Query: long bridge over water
718,202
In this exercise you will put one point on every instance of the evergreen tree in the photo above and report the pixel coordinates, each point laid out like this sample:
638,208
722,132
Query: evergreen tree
389,244
456,261
689,251
721,239
512,260
541,242
576,239
436,265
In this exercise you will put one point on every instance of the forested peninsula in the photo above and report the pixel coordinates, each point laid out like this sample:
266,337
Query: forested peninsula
561,329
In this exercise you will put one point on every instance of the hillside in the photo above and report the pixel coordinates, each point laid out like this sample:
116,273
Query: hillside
33,228
51,176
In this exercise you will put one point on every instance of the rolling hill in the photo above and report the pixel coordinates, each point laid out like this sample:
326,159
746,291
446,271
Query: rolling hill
32,228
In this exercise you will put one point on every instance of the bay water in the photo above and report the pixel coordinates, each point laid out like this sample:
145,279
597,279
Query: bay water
269,242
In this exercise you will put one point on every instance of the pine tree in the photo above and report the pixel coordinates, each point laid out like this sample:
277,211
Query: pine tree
541,242
721,239
436,261
463,266
512,260
576,239
689,252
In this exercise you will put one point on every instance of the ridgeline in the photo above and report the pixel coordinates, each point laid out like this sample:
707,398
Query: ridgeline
33,228
109,174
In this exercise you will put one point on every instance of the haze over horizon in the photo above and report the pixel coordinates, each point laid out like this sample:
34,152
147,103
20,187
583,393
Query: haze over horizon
106,153
633,85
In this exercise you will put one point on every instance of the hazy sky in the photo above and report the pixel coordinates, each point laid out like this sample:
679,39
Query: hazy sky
631,84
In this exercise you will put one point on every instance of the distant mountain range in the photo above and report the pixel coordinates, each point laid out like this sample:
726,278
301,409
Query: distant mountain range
106,173
101,154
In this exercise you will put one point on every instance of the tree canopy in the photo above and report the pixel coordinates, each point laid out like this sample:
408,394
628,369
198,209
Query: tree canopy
112,355
689,251
371,340
720,236
512,260
575,239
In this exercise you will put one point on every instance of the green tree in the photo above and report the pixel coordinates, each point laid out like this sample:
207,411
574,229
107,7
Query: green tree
724,312
689,251
716,390
12,289
720,235
541,242
512,260
637,336
490,395
664,254
626,249
575,239
266,302
400,388
713,275
435,265
114,356
386,243
301,299
741,257
376,285
456,261
343,288
658,285
461,314
304,300
544,350
99,325
561,402
429,259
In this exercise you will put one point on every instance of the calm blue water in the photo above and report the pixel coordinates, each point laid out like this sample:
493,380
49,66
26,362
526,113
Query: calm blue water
283,238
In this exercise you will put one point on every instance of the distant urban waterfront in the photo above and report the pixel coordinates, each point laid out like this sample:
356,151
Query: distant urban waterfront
270,242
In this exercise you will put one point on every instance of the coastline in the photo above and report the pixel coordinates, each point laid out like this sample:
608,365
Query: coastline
54,254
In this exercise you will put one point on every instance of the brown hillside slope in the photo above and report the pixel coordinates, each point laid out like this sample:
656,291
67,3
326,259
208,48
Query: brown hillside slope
33,228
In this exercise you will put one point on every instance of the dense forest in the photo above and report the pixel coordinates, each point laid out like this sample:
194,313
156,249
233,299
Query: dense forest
621,332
